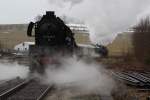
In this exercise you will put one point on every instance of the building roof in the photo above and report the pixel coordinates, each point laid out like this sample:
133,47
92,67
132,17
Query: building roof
32,43
86,45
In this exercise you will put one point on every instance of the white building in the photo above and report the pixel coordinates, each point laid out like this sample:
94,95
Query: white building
82,34
78,28
23,47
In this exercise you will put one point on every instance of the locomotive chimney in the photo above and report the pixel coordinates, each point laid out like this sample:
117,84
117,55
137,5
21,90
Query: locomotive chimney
50,13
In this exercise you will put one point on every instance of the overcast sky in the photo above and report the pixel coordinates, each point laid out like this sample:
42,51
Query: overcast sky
21,11
105,18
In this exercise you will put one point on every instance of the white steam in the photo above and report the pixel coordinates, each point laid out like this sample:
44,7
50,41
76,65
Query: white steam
12,70
81,76
105,18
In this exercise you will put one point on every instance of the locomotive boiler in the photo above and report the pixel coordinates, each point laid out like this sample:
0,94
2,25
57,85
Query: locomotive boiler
53,39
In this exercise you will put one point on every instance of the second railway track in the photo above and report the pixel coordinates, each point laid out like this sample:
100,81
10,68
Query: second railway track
27,90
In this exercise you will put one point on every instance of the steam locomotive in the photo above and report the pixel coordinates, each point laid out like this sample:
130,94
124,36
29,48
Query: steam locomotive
53,40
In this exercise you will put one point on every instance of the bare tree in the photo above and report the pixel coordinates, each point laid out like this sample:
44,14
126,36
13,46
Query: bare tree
141,40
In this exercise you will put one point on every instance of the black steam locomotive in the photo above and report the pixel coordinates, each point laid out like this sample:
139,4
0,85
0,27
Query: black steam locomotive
53,39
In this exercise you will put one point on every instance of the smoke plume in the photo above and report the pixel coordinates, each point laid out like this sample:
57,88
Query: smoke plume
76,74
105,18
63,2
12,70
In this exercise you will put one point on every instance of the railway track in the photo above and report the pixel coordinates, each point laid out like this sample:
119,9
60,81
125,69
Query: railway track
27,90
139,79
9,84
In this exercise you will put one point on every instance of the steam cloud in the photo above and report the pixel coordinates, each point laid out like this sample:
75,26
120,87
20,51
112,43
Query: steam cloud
84,77
12,70
105,18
